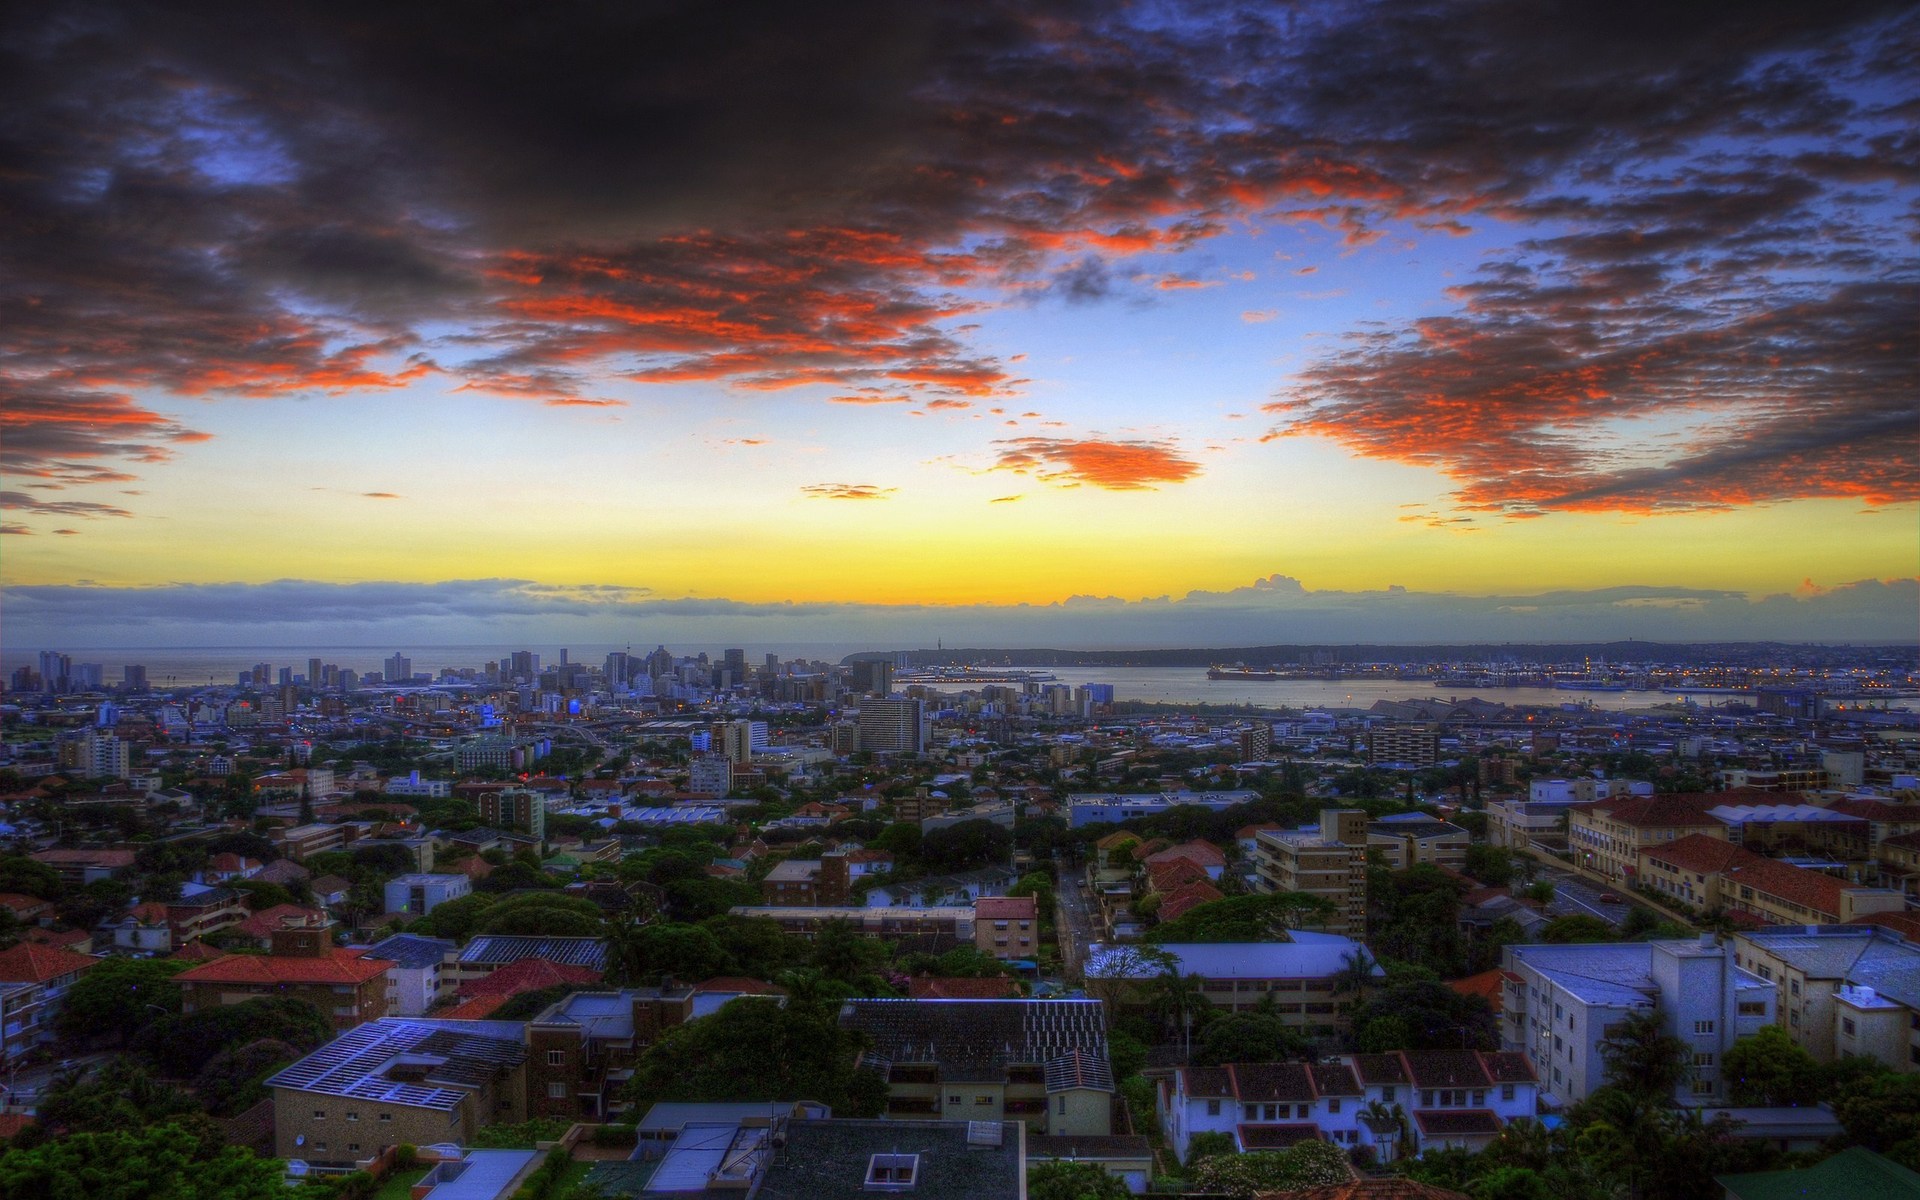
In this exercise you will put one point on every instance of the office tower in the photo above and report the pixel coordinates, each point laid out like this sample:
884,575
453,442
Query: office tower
873,677
773,664
889,726
133,678
89,677
399,668
26,679
314,670
56,670
286,676
736,664
524,665
619,668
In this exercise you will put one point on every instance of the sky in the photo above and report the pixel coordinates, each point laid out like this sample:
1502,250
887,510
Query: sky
1011,324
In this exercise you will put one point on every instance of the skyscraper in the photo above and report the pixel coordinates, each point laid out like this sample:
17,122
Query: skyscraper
890,726
399,668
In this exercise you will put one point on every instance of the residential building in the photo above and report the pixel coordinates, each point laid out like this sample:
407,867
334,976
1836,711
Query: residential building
950,921
1841,989
843,872
519,809
1328,860
1444,1098
418,894
929,1160
421,973
1403,745
1007,927
1563,1002
34,981
710,775
1039,1062
1415,840
1306,976
792,884
1097,808
80,867
489,952
304,841
1606,836
583,1047
396,1081
345,985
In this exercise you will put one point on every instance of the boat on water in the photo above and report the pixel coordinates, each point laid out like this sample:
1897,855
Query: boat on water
1243,674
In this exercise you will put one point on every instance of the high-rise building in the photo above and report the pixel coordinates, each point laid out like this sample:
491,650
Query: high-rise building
1330,862
1415,745
315,672
104,755
89,677
893,726
736,664
739,739
399,668
56,670
619,668
710,775
515,809
872,677
133,678
525,665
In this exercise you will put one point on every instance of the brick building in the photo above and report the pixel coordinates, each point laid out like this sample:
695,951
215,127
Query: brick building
345,985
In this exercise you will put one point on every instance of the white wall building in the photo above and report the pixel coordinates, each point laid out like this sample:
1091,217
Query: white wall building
1562,1002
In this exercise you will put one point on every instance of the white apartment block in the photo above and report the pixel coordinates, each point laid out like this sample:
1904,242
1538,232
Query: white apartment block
1399,1104
1562,1002
1841,989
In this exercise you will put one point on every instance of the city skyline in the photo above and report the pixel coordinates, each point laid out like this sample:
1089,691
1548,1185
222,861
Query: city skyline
1167,325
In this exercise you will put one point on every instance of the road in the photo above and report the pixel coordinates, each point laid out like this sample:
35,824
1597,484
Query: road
25,1086
1576,896
1075,922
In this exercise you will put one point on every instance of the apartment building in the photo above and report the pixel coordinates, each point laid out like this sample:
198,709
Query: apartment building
1328,860
419,893
1562,1003
1403,745
346,985
34,981
1007,927
581,1048
1397,1104
399,1082
1841,989
1413,839
1040,1062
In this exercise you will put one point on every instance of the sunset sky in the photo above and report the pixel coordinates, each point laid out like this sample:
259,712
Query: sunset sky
1018,323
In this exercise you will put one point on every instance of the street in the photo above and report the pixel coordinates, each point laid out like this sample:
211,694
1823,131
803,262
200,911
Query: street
1075,924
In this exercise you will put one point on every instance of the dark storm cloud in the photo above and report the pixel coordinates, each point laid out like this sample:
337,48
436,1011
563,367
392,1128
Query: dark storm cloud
250,200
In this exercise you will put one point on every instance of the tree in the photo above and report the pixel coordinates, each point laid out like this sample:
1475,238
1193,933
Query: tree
965,846
179,1046
1257,918
1074,1181
1643,1060
1491,865
1576,927
119,996
18,873
1250,1037
234,1080
458,919
841,952
755,1049
1242,1176
159,1162
688,953
1423,1014
121,1095
1881,1111
544,915
1770,1068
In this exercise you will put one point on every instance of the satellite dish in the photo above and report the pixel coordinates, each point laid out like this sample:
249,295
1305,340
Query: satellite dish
300,1139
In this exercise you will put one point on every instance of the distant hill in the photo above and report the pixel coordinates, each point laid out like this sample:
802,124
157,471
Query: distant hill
1732,653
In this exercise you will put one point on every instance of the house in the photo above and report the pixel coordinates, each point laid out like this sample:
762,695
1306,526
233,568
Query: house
1204,855
938,890
953,923
1179,901
257,930
1563,1002
935,987
196,916
1397,1104
142,929
523,976
420,973
479,1175
396,1081
34,981
343,984
329,890
1039,1062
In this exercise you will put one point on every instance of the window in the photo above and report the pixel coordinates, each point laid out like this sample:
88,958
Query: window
353,1147
1793,986
319,1145
955,1100
557,1090
1479,1098
1333,1105
892,1171
1703,1087
1793,1016
352,1116
1506,1091
1386,1095
1703,1026
386,1116
1753,1008
319,1114
983,1099
1213,1108
1300,1111
1703,1059
1063,1106
1847,1026
556,1058
1252,1111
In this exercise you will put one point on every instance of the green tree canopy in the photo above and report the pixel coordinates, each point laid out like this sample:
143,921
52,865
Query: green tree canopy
1645,1061
1423,1014
1074,1181
543,915
1249,1037
1256,918
179,1046
1243,1176
458,919
157,1162
115,996
965,846
754,1049
1770,1068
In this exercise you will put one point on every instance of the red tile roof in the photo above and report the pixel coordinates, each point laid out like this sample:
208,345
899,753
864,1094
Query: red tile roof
1877,810
199,951
1660,812
1176,873
1271,1081
1206,854
337,965
527,975
1702,853
1006,908
1446,1068
262,924
477,1009
114,859
933,987
1488,985
1796,885
29,963
1188,897
1907,927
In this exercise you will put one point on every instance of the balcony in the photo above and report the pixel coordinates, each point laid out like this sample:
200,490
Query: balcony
912,1106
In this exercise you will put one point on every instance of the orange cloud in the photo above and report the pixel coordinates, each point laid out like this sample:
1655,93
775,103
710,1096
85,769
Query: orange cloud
846,491
1114,465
